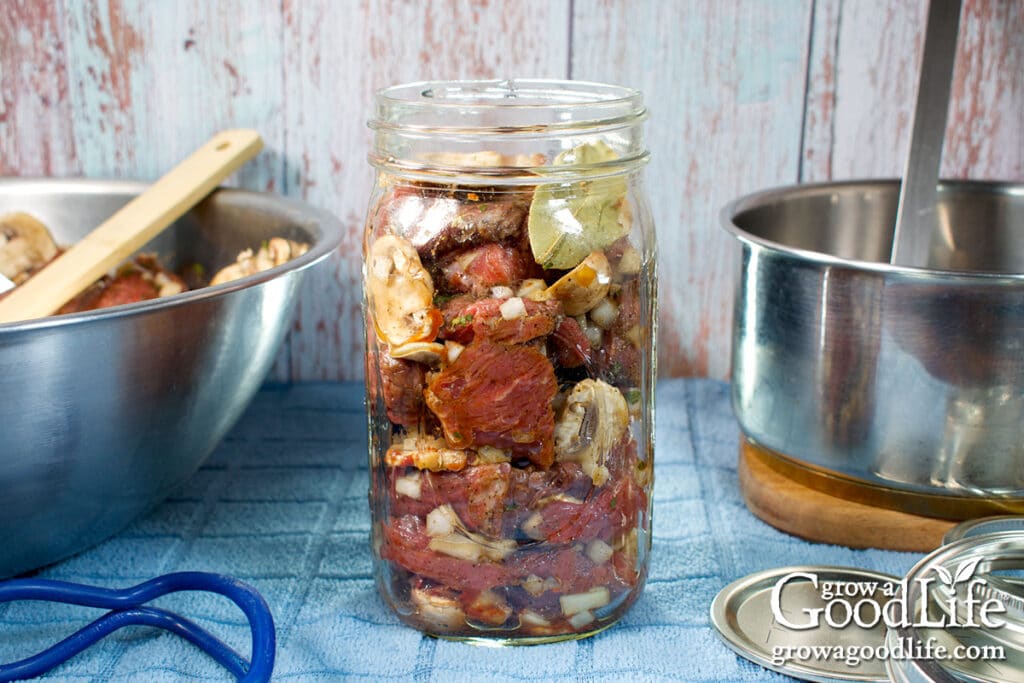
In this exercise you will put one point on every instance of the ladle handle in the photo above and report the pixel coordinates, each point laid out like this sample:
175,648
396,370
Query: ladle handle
135,224
915,216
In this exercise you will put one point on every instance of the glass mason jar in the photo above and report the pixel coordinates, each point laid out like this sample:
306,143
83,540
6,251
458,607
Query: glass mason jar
509,281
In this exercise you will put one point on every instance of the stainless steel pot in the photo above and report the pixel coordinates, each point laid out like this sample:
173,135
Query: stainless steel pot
102,414
899,381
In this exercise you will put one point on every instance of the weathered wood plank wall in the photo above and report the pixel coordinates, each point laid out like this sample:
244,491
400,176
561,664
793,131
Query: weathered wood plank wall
744,94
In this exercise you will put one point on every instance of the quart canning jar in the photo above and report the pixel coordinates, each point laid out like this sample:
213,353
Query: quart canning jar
509,281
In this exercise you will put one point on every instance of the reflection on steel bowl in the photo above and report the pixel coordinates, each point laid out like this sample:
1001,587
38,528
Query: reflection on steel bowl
908,380
105,412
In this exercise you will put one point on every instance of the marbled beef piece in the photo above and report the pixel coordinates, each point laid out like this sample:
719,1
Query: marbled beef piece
628,301
495,499
487,486
141,280
618,361
439,223
406,543
465,320
571,346
606,515
497,395
400,383
478,269
403,383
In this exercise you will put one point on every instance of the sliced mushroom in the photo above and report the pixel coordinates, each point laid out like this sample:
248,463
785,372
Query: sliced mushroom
585,286
400,293
275,252
428,353
593,421
25,246
438,610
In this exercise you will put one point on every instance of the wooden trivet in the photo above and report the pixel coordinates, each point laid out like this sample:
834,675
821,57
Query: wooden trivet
800,510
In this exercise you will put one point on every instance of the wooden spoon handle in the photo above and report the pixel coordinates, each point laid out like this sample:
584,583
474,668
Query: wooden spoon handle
135,224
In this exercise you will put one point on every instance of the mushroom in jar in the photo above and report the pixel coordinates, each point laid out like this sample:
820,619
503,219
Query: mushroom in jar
585,286
400,293
593,420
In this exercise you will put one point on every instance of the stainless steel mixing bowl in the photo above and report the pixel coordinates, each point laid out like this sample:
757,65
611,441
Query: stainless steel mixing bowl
907,381
102,414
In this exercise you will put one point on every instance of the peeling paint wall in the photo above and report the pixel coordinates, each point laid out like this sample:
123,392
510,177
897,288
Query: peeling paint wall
744,94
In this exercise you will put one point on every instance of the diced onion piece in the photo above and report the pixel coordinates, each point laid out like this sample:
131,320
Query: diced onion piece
166,285
502,292
629,263
442,521
513,308
453,350
594,335
409,485
598,551
490,455
531,618
456,546
575,603
531,527
581,619
534,289
470,546
604,314
535,586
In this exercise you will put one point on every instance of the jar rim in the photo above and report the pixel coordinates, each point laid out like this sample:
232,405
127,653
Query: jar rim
505,106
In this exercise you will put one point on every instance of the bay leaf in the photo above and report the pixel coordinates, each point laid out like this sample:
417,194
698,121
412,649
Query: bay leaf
570,220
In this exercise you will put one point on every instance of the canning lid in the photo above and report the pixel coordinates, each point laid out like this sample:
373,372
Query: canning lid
957,616
971,594
982,526
790,620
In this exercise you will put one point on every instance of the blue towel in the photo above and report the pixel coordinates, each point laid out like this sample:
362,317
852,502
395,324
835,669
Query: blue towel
282,505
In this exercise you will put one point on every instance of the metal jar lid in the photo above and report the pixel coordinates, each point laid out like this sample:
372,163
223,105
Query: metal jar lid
985,525
745,617
953,584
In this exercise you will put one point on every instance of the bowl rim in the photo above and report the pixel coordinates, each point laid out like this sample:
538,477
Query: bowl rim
758,199
329,226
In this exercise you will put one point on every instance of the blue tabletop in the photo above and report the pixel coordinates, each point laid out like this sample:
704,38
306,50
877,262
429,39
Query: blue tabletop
282,505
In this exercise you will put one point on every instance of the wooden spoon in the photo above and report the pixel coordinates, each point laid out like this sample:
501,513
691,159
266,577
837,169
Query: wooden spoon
135,224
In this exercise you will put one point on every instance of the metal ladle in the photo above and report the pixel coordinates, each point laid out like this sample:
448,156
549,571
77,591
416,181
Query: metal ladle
915,216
